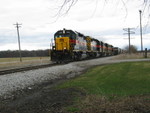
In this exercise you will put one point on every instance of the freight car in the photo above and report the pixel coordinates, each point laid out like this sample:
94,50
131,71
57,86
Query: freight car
71,45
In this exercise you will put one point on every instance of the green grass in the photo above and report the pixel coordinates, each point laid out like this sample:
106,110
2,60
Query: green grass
72,109
121,79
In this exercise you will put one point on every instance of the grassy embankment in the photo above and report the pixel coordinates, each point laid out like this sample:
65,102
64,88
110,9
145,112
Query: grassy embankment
110,87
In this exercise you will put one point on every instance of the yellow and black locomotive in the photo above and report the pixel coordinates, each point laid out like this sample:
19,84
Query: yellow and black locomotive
70,45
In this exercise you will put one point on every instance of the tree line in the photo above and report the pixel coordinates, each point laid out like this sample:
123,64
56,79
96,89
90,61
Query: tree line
24,53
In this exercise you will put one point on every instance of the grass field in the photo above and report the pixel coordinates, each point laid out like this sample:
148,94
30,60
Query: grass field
116,79
6,63
132,56
23,59
103,83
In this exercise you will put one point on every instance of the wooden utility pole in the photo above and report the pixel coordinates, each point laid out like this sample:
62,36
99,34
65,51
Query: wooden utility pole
17,26
129,32
141,30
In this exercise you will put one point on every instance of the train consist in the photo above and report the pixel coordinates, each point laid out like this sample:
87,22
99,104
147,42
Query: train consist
70,45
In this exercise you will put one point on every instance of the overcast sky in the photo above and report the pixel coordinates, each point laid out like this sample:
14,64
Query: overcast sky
96,18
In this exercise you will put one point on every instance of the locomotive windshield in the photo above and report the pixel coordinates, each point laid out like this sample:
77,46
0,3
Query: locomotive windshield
67,33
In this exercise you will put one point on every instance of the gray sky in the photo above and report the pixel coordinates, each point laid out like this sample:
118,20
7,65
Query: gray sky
101,20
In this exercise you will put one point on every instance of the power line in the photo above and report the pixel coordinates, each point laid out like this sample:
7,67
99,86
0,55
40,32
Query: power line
17,26
129,32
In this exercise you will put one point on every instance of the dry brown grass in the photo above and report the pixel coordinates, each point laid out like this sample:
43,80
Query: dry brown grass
100,104
131,56
14,63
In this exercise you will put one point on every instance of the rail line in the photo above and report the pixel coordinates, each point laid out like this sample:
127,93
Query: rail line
27,68
14,70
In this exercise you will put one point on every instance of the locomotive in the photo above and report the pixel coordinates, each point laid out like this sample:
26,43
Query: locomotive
71,45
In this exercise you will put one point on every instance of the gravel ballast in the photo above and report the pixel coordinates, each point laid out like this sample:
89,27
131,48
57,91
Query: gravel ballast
21,80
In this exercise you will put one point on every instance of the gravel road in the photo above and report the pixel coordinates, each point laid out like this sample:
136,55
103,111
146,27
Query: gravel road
18,81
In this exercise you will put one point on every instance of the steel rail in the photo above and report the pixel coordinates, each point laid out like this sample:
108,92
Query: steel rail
28,68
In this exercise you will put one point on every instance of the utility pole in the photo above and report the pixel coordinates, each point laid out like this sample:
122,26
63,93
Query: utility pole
141,30
128,30
17,26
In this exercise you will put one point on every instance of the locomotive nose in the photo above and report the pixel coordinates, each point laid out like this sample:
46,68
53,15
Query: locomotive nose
62,43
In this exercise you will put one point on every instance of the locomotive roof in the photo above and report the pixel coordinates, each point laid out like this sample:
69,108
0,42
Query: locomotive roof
61,31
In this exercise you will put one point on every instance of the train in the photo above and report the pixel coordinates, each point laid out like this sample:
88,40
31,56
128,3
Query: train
71,45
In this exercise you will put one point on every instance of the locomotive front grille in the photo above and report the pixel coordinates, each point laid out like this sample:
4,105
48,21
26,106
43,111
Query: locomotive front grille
62,43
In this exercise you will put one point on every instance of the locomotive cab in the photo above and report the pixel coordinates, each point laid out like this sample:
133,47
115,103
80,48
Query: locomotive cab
69,45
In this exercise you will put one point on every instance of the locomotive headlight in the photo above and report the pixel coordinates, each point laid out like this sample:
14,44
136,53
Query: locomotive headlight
64,47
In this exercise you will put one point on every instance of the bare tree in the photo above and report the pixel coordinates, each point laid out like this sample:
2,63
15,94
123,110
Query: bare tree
68,4
133,48
64,8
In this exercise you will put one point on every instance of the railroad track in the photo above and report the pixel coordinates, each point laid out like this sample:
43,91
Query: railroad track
14,70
